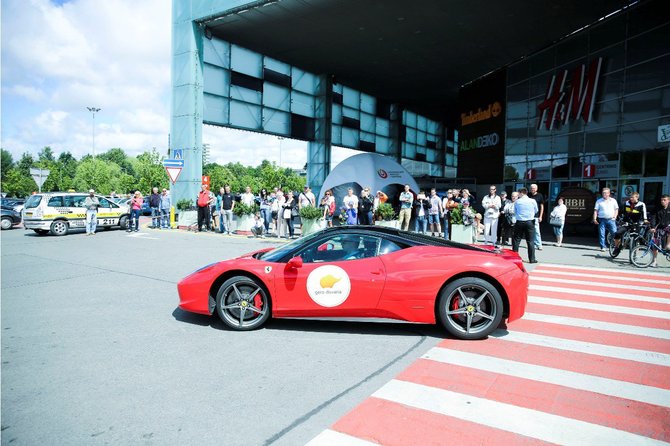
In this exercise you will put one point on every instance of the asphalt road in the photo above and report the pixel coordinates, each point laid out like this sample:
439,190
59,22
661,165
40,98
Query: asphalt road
95,350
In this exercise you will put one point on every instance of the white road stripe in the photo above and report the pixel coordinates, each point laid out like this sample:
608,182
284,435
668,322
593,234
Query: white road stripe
590,348
332,438
565,378
598,325
522,421
602,283
620,273
587,307
587,292
598,276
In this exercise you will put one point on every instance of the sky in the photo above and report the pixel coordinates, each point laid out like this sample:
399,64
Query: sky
59,57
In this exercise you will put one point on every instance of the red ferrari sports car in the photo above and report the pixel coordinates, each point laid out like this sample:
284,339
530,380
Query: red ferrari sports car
364,271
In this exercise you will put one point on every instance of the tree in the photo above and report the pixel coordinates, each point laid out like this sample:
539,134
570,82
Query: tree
150,172
219,176
46,155
97,174
25,163
7,163
118,156
18,184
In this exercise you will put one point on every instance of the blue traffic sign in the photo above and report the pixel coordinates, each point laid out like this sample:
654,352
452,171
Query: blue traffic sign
173,163
178,154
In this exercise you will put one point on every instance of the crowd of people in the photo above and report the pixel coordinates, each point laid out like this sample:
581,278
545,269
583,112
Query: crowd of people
503,220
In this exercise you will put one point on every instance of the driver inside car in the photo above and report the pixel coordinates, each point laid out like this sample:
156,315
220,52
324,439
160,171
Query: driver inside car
350,248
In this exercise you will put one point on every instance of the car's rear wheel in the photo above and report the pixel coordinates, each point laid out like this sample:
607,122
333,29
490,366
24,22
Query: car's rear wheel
242,303
41,231
470,308
6,223
60,227
123,222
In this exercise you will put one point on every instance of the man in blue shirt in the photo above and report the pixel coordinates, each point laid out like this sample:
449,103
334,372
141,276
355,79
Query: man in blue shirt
525,209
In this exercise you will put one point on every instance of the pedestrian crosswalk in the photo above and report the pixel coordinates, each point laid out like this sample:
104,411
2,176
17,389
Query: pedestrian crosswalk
588,364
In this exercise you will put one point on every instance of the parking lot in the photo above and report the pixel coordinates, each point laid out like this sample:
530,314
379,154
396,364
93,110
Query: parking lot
95,350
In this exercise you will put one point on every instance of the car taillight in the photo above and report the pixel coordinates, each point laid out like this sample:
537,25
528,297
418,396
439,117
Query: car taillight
514,257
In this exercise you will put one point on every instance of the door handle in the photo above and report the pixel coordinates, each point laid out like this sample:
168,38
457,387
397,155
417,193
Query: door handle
377,273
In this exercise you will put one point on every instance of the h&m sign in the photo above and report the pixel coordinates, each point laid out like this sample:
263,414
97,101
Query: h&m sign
562,103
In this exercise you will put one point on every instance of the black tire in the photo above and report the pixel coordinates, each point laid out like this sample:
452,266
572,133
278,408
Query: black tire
614,253
60,228
6,223
41,231
641,256
243,303
123,222
483,309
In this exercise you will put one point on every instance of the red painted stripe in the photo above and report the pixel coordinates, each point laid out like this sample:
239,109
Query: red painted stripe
593,335
596,286
610,280
389,423
627,303
603,316
605,410
604,274
595,365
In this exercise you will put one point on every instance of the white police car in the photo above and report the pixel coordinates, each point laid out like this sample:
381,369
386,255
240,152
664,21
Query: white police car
59,212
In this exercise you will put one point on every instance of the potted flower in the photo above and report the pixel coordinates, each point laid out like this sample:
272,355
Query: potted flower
244,217
385,216
461,225
187,215
311,219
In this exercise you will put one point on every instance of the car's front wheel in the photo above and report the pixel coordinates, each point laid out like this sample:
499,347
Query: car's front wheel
6,223
470,308
242,303
60,227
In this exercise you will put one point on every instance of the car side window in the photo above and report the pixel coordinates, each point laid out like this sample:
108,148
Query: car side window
55,202
104,203
387,247
76,201
341,248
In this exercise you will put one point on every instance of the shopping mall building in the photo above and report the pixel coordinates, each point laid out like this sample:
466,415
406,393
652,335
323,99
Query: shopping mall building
570,95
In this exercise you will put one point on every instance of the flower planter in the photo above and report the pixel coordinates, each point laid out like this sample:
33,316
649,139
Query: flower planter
187,219
462,233
244,223
309,226
388,223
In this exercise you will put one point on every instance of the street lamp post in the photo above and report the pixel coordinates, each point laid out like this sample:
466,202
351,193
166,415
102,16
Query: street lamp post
93,110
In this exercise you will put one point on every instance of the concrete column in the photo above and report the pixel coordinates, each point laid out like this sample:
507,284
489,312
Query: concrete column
187,99
396,139
319,150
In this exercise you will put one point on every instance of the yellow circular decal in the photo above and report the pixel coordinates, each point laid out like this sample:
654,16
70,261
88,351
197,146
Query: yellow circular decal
328,285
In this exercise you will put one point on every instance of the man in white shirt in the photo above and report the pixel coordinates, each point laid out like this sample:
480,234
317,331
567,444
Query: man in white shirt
491,204
306,198
604,215
350,200
247,197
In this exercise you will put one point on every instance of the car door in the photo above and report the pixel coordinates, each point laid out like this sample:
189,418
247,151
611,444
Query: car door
332,280
106,212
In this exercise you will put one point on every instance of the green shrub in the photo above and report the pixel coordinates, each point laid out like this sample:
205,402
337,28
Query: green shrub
385,212
184,204
311,213
456,216
241,209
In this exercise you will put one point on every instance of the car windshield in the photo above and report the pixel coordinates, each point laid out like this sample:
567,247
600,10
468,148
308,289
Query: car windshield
280,252
33,201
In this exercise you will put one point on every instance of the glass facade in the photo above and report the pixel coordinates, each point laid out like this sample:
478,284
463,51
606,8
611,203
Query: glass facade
559,146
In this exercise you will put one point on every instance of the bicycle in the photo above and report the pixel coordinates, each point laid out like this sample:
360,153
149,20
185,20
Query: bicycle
642,256
636,234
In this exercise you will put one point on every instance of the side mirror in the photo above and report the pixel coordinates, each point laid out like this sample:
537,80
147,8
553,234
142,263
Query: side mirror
295,262
325,247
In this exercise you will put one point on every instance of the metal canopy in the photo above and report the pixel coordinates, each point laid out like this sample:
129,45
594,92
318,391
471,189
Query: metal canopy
417,53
